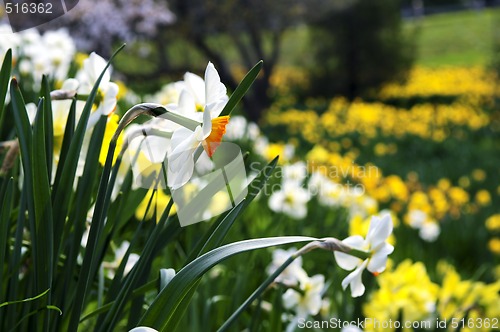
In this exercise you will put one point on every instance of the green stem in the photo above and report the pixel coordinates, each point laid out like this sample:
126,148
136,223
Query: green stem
257,293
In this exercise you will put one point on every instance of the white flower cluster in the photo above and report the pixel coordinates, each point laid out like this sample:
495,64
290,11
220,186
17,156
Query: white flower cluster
428,228
97,24
291,199
334,194
305,295
105,105
35,54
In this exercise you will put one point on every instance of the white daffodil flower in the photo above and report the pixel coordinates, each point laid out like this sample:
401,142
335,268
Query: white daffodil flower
308,301
429,231
119,255
291,200
295,172
208,134
107,90
293,273
376,244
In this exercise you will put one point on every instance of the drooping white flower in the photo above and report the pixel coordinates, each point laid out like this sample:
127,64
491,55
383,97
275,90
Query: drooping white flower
308,302
375,244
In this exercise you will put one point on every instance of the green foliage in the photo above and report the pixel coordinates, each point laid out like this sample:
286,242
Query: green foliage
43,221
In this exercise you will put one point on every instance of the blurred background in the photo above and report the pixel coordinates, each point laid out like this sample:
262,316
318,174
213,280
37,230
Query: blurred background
409,87
333,47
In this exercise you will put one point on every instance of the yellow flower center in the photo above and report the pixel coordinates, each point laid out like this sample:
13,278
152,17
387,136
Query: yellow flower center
199,107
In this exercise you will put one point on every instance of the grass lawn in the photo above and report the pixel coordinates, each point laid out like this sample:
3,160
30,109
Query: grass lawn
459,39
464,38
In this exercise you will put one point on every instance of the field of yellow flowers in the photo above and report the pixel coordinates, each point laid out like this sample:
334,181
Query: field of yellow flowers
425,151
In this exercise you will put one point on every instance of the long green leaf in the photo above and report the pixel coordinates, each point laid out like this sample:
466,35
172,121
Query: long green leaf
78,215
15,260
43,236
170,225
162,311
49,126
242,88
89,261
25,300
69,130
25,137
4,225
4,83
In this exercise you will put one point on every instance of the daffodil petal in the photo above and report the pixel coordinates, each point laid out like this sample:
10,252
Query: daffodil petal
207,124
214,89
187,104
155,148
346,261
317,282
93,67
313,304
180,176
378,261
290,298
379,231
354,281
196,86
